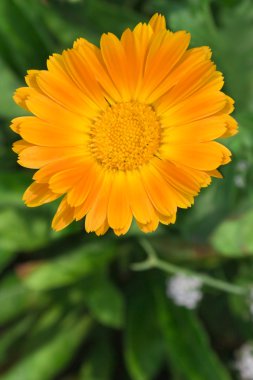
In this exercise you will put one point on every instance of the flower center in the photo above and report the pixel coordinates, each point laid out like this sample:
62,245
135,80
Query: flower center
125,136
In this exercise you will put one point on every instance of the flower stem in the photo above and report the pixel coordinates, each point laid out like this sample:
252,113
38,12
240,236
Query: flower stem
154,262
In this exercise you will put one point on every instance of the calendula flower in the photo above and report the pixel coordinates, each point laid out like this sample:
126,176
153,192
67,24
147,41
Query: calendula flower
125,130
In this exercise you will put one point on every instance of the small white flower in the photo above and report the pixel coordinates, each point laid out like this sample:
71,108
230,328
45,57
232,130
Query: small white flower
250,300
239,181
242,166
185,290
244,362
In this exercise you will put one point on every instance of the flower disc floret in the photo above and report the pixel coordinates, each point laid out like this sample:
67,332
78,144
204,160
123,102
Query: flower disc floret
125,136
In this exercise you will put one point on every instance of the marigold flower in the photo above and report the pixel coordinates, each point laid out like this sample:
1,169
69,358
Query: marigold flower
125,130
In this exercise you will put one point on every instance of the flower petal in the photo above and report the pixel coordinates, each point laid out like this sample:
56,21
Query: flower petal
203,156
119,212
38,194
63,217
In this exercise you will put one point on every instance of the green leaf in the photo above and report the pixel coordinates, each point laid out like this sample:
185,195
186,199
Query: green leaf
17,50
71,266
54,355
14,333
90,19
15,299
19,233
21,229
144,350
6,257
99,363
9,83
234,237
105,301
188,348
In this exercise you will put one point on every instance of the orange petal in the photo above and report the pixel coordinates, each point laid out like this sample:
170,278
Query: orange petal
165,51
93,58
158,191
194,80
180,187
97,215
157,22
37,194
203,156
44,174
196,131
66,179
21,95
85,207
15,123
51,112
116,63
119,213
34,157
196,107
149,227
31,79
62,90
215,173
63,217
82,76
20,145
140,203
167,219
82,187
136,45
102,229
191,59
231,126
42,133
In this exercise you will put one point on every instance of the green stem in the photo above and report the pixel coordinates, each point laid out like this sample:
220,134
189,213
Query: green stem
154,262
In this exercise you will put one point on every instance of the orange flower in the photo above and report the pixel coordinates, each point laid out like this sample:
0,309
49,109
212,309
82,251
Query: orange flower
125,130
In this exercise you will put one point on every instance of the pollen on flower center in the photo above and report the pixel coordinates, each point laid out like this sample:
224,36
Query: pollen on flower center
125,136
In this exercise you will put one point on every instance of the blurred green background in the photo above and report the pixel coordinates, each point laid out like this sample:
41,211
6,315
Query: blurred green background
71,305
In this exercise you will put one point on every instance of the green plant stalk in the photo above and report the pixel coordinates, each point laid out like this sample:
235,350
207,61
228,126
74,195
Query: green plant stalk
154,262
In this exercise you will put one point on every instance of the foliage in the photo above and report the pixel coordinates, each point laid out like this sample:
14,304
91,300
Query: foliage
72,307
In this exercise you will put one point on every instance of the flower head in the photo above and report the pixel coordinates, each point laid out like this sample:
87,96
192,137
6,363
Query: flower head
125,130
